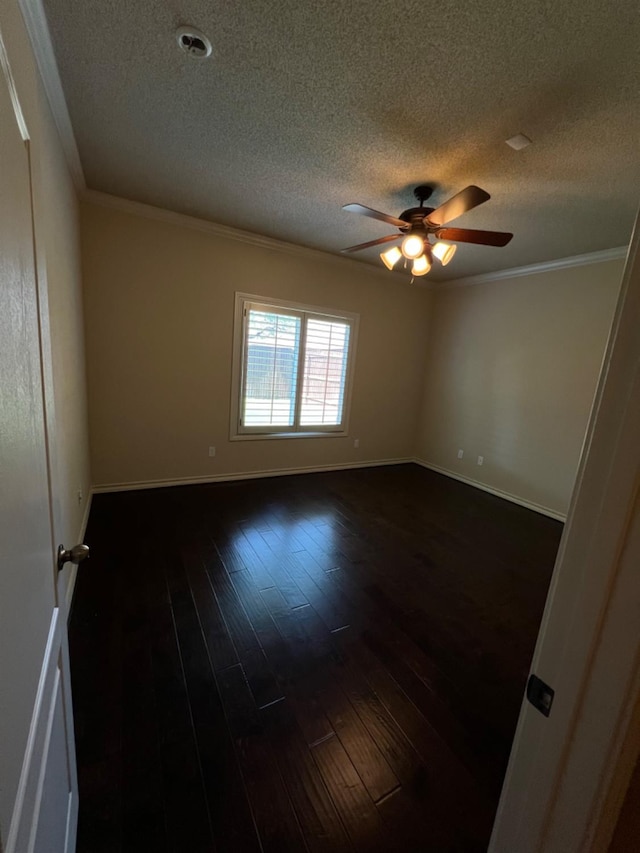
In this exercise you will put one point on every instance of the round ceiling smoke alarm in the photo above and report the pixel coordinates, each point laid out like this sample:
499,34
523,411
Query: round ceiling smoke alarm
193,42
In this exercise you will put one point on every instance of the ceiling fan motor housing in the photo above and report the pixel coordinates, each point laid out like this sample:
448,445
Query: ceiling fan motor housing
415,216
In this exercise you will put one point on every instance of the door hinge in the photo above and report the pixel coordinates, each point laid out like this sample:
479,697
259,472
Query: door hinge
540,694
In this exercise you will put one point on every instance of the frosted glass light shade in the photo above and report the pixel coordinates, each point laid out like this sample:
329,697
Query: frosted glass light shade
412,246
421,265
391,257
444,252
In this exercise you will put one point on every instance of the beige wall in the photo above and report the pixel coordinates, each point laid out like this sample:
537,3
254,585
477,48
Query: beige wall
511,372
159,303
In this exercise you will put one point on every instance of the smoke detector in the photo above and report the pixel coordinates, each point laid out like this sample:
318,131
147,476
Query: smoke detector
193,42
518,142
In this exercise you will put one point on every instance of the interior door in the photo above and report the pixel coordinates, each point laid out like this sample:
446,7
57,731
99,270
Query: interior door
38,790
558,795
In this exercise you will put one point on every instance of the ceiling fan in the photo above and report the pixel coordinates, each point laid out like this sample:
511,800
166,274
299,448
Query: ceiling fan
418,224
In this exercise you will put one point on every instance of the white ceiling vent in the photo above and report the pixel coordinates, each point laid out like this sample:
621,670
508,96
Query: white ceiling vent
193,42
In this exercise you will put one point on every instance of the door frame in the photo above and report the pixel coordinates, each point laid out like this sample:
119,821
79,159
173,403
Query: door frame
567,773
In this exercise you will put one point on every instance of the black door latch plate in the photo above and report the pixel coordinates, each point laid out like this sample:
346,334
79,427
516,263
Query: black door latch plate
540,694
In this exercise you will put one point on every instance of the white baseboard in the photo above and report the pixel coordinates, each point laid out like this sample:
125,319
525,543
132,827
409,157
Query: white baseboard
543,510
245,475
316,469
73,571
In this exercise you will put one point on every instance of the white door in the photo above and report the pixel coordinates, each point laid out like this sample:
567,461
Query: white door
38,789
564,783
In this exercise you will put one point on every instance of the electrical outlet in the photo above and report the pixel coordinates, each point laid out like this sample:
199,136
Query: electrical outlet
460,454
79,496
356,442
480,460
212,451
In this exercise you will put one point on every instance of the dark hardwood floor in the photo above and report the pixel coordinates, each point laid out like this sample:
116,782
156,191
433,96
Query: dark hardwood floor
326,662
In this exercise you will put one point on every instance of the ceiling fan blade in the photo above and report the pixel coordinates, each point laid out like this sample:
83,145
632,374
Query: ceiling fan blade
375,214
458,204
469,235
388,239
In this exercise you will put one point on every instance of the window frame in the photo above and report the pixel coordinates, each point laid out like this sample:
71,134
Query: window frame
238,432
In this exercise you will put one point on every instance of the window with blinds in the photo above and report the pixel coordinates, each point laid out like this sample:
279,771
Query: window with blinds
294,369
324,372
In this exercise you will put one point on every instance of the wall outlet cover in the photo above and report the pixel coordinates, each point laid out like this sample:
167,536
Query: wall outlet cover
212,451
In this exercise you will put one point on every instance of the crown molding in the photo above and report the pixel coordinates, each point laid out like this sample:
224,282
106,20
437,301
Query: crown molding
206,226
532,269
226,232
38,29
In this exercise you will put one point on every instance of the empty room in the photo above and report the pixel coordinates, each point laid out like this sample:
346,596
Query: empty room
320,400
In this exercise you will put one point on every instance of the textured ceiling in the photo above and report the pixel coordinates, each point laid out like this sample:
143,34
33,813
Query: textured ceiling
306,106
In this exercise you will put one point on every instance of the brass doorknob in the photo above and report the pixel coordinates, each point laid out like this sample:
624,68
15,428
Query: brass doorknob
75,555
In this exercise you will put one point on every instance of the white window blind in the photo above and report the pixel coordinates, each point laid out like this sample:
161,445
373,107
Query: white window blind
294,369
325,366
271,368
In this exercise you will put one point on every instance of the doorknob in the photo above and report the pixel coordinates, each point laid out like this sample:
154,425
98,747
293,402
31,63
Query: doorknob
76,555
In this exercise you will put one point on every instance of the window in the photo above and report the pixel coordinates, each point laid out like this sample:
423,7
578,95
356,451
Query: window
292,369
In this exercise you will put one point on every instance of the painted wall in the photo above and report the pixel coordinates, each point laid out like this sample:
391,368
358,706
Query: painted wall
159,303
511,371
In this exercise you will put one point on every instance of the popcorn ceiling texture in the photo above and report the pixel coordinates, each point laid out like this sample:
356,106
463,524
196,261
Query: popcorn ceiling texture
306,106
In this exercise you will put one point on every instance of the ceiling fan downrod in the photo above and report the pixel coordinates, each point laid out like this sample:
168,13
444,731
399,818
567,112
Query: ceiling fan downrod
422,193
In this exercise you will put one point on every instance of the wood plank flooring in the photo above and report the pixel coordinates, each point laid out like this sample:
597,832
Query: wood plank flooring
323,663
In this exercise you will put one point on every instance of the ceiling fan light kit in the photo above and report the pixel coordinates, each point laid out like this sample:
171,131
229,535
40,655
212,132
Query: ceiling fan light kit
413,246
421,265
417,224
444,252
391,257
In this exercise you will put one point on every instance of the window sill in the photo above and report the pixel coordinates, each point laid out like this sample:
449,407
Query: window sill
259,436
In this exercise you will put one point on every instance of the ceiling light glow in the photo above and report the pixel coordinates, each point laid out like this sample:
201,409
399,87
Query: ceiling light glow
444,252
412,246
421,265
391,257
